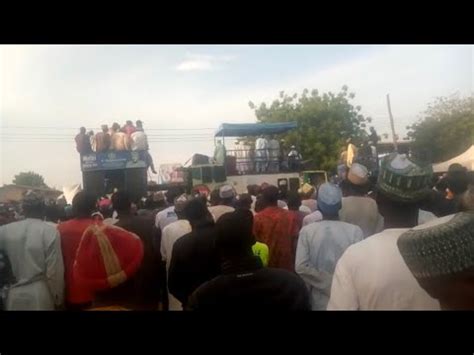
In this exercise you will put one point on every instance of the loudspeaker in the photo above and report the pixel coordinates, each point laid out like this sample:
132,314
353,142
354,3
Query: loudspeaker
206,173
136,183
199,159
93,182
294,184
231,165
219,173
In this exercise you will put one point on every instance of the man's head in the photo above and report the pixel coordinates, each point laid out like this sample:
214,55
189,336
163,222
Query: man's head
457,179
214,198
179,205
270,196
234,234
402,184
129,123
329,200
139,124
196,212
244,202
33,205
115,127
306,191
171,194
121,202
226,195
105,128
106,257
82,130
440,254
252,190
83,204
294,201
357,182
51,213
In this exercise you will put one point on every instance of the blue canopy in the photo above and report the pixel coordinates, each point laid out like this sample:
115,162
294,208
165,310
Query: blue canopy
253,129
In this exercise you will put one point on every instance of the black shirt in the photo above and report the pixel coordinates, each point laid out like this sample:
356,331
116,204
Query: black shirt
194,261
249,286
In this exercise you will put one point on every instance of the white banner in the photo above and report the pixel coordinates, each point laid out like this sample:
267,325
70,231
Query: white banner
169,173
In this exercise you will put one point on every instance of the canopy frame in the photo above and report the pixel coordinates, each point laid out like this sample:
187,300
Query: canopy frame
253,129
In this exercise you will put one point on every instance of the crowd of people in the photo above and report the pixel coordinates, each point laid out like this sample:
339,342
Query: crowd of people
265,155
404,242
130,137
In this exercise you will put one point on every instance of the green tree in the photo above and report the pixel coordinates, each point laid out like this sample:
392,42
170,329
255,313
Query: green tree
325,121
445,130
29,178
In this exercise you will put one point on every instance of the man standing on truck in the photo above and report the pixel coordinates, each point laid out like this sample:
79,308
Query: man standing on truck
274,149
102,140
139,141
119,140
219,153
294,159
261,154
83,143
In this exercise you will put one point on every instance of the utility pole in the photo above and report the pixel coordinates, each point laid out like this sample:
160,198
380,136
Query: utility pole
392,124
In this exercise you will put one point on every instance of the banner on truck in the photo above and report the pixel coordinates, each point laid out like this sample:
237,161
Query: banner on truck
170,173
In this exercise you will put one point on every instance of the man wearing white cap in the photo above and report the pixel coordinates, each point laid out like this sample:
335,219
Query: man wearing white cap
371,275
357,208
320,245
261,154
171,233
33,249
223,204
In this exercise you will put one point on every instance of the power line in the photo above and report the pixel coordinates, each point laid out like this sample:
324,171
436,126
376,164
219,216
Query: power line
14,142
98,128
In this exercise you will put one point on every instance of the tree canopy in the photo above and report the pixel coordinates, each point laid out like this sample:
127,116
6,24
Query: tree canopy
29,178
445,130
325,122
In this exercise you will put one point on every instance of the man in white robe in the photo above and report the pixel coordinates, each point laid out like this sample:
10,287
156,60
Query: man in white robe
33,249
261,154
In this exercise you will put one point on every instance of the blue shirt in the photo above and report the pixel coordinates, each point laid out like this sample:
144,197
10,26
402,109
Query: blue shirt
320,245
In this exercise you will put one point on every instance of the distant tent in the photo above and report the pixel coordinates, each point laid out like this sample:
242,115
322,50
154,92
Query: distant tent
466,159
70,191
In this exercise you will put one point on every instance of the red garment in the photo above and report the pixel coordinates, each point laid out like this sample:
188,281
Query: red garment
298,217
107,256
71,233
277,228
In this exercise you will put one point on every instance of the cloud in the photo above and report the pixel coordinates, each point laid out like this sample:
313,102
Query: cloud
198,62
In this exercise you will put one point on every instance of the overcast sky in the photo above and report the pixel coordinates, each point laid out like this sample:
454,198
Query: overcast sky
183,93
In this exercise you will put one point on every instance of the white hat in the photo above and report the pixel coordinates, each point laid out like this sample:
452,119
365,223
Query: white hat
358,174
226,191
